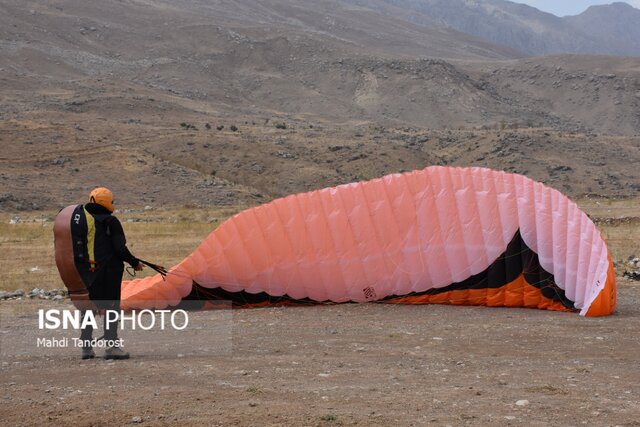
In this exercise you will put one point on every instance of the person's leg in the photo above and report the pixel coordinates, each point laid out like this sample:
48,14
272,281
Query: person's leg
110,326
86,335
114,282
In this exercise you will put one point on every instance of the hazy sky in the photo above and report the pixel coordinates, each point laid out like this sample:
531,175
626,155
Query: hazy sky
569,7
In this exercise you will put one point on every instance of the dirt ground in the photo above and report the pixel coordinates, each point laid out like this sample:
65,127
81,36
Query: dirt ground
269,106
369,364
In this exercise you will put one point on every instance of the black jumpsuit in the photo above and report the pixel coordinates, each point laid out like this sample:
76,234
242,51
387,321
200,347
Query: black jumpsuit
105,288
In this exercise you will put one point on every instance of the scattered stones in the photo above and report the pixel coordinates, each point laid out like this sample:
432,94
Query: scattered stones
61,161
284,154
53,294
334,148
632,275
11,294
632,272
357,157
522,402
257,168
562,168
10,202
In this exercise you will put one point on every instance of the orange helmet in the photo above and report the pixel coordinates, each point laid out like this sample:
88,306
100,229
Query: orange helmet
103,197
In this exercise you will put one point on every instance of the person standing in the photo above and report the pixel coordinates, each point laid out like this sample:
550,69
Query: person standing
106,253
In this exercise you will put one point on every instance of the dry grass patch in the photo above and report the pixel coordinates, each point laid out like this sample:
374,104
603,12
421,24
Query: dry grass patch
167,236
619,222
27,254
163,237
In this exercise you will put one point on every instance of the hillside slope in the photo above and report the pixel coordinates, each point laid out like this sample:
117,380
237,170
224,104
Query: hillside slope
131,95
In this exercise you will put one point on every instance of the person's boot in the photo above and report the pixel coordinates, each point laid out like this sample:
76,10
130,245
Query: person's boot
115,353
88,353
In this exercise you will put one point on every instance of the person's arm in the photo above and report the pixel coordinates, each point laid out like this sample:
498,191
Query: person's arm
119,243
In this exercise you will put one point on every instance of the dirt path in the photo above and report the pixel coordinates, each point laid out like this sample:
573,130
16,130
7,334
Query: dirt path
370,364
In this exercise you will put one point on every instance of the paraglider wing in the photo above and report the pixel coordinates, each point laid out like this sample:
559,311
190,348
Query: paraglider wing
438,235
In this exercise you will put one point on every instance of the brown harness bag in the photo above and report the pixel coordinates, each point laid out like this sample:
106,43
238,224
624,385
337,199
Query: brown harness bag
63,243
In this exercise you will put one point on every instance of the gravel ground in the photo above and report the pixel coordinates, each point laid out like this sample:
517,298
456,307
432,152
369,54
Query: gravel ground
369,364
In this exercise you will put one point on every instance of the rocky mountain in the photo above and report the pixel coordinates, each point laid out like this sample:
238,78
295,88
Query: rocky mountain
328,60
609,29
239,101
617,26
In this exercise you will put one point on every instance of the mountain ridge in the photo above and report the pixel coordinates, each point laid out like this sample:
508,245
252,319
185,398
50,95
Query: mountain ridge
242,101
526,28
